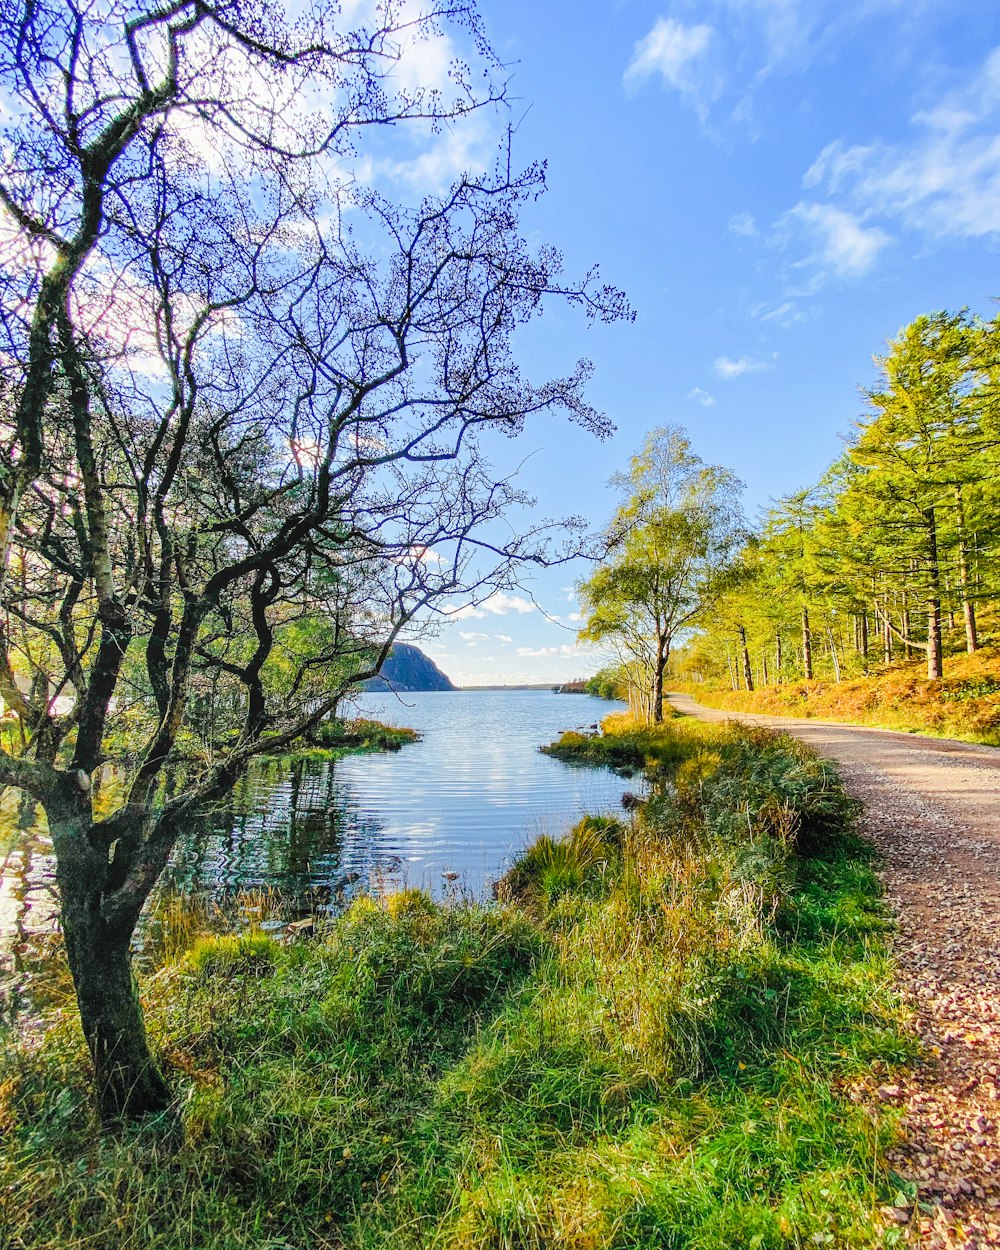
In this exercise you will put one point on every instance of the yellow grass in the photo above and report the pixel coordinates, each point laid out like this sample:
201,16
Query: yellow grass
964,704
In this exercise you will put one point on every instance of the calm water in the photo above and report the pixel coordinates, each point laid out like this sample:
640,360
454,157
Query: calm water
464,800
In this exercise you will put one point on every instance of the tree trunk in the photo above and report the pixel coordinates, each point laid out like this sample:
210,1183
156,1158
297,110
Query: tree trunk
659,667
128,1082
734,680
807,655
747,671
833,654
886,633
964,580
934,655
777,659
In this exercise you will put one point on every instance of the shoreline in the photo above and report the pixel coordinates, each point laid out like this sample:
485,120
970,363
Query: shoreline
641,1035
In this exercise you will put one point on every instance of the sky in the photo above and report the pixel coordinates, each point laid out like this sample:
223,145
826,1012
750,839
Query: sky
779,186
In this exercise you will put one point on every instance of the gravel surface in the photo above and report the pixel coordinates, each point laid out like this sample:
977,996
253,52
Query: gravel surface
932,807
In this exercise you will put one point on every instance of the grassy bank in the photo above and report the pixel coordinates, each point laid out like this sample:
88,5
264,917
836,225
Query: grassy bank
335,738
667,1033
965,704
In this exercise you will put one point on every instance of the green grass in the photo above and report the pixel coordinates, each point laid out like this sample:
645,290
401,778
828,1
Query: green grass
336,738
650,1041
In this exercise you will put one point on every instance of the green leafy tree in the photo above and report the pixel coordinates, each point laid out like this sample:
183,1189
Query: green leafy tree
926,458
608,683
669,557
901,532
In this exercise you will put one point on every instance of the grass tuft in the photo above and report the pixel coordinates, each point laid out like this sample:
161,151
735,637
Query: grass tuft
655,1039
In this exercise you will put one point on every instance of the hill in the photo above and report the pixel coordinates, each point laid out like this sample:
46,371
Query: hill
408,669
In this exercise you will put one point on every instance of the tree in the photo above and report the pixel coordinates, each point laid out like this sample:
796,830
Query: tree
925,454
243,417
669,551
906,519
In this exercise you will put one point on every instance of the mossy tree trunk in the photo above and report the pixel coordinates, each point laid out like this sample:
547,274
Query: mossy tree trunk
105,873
128,1080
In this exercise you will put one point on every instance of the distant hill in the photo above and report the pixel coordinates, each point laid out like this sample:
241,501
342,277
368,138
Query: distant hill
408,669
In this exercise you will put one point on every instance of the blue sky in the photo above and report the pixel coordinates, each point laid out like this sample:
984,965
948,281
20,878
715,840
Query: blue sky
779,186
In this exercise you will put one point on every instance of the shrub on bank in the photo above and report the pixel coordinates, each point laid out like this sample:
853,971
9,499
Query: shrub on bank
361,734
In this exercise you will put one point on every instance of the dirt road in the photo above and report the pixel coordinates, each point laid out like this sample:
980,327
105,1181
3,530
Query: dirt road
932,807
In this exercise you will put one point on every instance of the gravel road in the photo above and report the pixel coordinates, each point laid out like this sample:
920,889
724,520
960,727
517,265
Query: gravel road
932,807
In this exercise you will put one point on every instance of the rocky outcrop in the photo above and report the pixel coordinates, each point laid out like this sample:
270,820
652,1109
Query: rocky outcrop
408,669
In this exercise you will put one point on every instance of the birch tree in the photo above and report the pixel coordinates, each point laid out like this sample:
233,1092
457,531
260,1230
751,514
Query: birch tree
669,555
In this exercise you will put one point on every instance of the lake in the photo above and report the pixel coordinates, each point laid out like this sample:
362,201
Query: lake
465,799
447,813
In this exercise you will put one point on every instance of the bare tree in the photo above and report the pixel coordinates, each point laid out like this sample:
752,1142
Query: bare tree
243,416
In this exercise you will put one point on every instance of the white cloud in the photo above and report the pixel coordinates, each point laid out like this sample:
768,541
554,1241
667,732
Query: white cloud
839,239
465,145
467,613
504,638
670,50
425,555
744,225
942,180
471,638
565,650
703,397
728,368
499,604
739,46
749,38
425,58
427,61
787,313
787,28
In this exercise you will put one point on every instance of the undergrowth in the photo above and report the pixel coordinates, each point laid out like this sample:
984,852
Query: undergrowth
334,738
964,704
651,1040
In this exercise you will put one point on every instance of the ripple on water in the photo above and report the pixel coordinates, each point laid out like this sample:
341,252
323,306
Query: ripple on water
466,798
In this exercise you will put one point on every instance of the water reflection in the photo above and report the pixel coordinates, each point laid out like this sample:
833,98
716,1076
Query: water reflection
29,904
447,813
291,827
